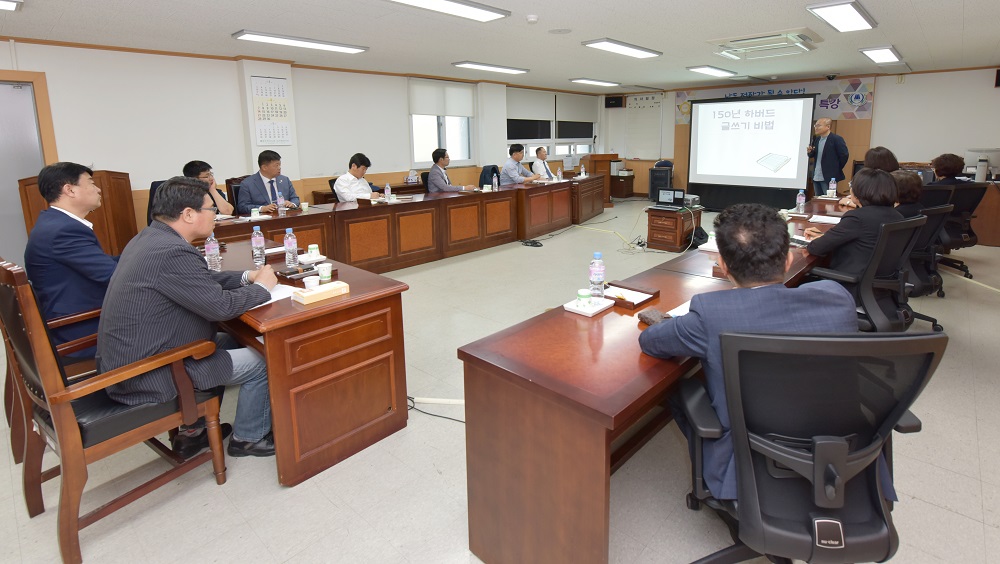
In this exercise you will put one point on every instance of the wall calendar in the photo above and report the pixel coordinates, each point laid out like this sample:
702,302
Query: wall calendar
270,109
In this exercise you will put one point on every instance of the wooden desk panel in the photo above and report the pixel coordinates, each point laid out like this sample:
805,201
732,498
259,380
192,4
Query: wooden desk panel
543,208
669,230
588,198
311,227
383,237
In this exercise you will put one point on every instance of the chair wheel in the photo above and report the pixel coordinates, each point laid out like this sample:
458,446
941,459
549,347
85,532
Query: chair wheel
940,293
693,503
937,327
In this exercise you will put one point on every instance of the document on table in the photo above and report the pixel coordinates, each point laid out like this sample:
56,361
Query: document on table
824,219
274,250
680,310
280,292
711,245
627,295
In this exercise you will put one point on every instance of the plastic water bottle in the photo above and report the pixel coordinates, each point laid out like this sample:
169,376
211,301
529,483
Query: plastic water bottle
833,185
257,246
212,253
559,173
388,191
281,205
596,277
800,201
496,182
583,170
291,249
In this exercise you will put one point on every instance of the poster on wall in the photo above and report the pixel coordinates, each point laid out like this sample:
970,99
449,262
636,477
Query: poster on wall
270,110
836,99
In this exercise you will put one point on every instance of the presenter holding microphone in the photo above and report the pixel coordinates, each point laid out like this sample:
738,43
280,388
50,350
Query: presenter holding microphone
830,152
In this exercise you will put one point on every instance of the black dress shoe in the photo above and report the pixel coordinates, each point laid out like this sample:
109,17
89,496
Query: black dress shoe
186,446
263,447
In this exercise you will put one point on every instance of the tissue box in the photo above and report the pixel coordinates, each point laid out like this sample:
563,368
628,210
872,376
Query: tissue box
321,292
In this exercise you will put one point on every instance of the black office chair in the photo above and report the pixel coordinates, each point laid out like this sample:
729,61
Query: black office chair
423,178
486,176
957,232
663,164
923,276
881,288
936,195
332,182
810,417
149,205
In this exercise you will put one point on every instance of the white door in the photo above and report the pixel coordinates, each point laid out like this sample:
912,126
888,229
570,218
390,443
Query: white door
20,157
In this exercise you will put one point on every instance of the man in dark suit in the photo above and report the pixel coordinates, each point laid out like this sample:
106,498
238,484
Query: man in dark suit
753,254
65,263
261,190
831,154
162,296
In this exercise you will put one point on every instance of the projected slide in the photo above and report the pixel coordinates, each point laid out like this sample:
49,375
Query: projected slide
751,141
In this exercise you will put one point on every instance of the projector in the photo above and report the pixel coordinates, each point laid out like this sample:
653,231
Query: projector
691,200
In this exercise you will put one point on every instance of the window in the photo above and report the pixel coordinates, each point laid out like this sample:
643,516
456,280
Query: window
529,129
441,115
450,132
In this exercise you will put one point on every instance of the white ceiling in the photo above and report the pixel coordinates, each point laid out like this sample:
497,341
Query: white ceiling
929,34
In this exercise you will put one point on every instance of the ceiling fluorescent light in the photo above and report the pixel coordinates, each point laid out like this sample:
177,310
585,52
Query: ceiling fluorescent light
712,71
460,8
490,68
729,55
593,82
843,16
622,48
248,35
882,55
10,5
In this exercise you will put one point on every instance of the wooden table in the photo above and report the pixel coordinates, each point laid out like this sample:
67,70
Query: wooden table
543,208
401,188
336,368
671,230
311,227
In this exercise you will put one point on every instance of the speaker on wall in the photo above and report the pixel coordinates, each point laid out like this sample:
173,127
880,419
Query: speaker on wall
614,101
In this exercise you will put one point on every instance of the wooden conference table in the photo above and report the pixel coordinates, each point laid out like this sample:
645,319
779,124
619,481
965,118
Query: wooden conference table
557,403
336,370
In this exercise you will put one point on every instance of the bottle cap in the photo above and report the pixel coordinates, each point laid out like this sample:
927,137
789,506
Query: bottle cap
288,230
256,228
597,254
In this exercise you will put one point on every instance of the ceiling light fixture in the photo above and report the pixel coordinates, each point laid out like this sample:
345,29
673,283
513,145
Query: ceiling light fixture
460,8
10,5
593,82
622,48
882,55
729,55
490,68
247,35
844,16
712,71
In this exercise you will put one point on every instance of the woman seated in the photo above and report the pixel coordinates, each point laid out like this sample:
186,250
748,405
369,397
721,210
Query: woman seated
851,242
910,187
947,167
876,157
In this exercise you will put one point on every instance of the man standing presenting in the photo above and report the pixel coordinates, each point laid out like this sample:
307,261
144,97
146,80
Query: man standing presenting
261,190
513,172
830,152
753,254
437,178
162,296
65,263
541,167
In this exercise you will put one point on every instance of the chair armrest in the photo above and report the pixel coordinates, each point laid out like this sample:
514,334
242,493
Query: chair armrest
835,275
908,423
77,345
698,409
72,318
197,350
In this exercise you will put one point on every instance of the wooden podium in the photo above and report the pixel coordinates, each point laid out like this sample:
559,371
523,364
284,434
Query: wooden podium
114,221
600,163
986,224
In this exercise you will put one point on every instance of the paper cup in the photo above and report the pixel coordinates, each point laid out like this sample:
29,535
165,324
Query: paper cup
305,206
325,271
311,281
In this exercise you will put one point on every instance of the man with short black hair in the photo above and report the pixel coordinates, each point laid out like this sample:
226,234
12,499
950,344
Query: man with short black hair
540,166
754,256
64,261
261,190
162,296
352,186
203,171
513,172
437,178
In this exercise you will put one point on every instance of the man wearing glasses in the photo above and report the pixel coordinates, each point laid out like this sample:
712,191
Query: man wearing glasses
203,171
513,172
162,295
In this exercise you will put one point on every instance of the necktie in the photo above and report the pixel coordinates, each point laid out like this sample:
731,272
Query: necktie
547,171
446,180
274,194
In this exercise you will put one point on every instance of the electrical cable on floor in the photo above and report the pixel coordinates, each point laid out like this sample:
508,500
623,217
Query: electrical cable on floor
411,404
970,281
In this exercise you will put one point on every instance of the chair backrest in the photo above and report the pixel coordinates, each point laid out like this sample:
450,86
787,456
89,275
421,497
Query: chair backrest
882,286
423,178
486,176
928,235
233,188
936,195
958,233
663,164
809,417
332,182
29,341
149,205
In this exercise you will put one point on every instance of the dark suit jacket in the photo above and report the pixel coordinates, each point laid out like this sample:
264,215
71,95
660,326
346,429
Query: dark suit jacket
910,210
948,181
835,155
819,307
68,271
162,296
253,193
851,242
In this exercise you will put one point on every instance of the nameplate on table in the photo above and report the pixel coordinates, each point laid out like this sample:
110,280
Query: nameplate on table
629,297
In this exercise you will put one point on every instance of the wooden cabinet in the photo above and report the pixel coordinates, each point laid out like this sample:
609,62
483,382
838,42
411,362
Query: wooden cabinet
114,221
621,186
597,163
588,198
671,230
543,209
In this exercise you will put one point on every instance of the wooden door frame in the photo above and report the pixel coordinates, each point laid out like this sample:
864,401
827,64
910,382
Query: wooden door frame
40,89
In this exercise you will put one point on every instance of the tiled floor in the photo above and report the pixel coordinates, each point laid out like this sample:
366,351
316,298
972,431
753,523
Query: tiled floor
404,499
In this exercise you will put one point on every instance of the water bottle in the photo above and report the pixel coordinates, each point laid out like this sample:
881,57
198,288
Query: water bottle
583,170
281,205
212,253
257,246
291,249
800,201
496,182
833,186
388,191
596,278
559,173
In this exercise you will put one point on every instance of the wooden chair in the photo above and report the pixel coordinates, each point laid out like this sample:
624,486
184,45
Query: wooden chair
83,424
233,188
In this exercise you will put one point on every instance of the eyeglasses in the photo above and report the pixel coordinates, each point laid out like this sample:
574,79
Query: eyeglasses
206,176
212,209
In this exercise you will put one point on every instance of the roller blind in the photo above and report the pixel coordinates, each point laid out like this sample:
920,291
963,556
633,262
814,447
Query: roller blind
441,98
576,107
530,104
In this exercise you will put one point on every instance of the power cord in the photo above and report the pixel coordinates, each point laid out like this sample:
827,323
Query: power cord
412,405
